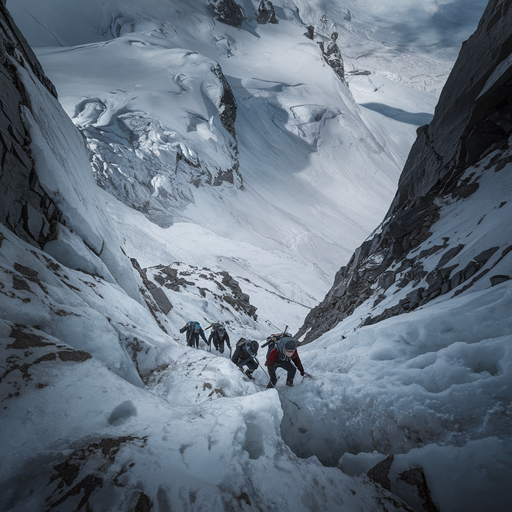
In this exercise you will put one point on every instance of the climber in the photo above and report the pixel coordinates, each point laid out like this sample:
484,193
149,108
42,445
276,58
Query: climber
219,335
282,356
245,355
194,330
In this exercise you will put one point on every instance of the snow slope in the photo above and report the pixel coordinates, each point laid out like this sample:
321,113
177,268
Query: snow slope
308,154
147,422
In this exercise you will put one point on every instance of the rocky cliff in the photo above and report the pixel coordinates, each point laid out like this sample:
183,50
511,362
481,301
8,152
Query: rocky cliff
24,206
450,186
47,192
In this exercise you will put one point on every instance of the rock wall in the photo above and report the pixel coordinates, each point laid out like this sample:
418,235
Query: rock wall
51,203
473,119
466,122
266,13
227,11
25,208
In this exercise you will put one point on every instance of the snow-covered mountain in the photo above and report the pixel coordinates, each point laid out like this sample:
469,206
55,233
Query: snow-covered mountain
240,165
147,87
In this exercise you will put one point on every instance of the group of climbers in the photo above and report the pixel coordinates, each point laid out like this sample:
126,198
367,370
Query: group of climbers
218,335
281,351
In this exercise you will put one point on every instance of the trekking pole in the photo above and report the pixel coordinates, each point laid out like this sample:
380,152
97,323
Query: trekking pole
284,396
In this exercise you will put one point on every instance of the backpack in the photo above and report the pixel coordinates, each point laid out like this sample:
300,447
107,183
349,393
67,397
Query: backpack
273,341
254,345
194,326
219,330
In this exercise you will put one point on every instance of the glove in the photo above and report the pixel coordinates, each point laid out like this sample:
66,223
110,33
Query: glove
302,374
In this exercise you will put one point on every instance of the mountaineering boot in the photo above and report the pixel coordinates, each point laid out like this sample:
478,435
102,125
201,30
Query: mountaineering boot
249,374
289,383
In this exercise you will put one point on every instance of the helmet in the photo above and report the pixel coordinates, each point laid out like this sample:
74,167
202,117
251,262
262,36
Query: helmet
289,345
221,329
252,347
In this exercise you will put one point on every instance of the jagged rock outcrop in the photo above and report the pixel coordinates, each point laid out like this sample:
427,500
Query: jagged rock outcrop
332,56
266,13
228,105
414,477
25,208
469,119
227,11
465,147
310,34
218,288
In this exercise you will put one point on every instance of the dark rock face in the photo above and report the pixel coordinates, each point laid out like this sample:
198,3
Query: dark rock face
467,120
218,287
25,208
380,472
310,34
156,300
416,477
383,475
227,11
236,298
266,13
88,471
332,56
472,120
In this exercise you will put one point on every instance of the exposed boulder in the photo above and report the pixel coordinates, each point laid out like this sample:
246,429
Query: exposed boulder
227,11
384,472
332,56
266,13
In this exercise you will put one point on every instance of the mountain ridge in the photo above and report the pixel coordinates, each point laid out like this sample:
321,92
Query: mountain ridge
436,172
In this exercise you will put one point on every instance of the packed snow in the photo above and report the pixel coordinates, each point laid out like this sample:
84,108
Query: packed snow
319,161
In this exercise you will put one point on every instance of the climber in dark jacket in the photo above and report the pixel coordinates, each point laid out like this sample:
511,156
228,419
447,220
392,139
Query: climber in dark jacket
283,359
245,355
219,335
194,330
